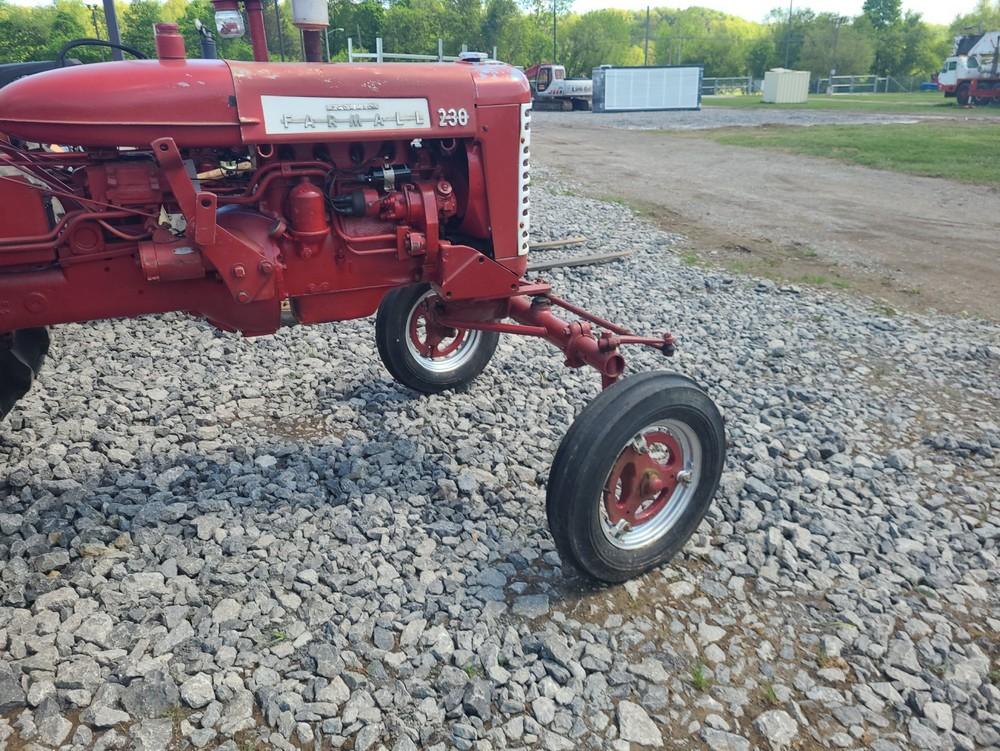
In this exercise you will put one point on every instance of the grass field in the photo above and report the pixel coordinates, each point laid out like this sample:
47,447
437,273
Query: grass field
926,103
960,152
965,152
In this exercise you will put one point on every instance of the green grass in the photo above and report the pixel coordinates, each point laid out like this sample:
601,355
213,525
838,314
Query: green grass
924,103
770,695
960,152
699,678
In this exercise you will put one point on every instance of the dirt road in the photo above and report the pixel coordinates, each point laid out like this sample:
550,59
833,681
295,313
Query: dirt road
916,243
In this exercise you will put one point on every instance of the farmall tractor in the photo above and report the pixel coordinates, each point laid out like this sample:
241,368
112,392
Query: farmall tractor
249,193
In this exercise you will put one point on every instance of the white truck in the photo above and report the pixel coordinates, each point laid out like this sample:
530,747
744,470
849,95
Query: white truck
551,90
970,73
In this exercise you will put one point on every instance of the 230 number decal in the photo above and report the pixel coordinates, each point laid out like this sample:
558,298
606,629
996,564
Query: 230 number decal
449,118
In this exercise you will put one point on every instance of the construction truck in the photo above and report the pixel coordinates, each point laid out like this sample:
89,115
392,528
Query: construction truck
551,90
970,73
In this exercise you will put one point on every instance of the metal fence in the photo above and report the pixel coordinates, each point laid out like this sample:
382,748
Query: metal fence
380,56
731,85
866,85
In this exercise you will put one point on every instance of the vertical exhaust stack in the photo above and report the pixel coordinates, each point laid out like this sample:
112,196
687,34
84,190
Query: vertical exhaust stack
313,18
169,42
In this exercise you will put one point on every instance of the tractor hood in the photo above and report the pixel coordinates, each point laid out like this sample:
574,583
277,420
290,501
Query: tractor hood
226,103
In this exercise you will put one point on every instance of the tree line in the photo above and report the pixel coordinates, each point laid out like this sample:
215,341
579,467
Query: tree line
884,39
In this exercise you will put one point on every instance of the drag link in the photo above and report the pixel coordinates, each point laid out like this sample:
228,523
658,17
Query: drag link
576,339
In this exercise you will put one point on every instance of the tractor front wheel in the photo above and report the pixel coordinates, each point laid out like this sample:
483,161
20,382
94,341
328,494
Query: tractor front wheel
635,475
422,354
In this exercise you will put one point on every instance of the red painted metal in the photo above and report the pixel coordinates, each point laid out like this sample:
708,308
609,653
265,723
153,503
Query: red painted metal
429,335
640,484
312,44
169,42
258,37
180,195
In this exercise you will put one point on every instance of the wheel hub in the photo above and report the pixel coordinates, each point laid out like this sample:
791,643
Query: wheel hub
431,339
643,479
439,349
650,484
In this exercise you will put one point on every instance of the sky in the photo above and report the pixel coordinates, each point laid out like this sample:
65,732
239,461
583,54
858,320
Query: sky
933,11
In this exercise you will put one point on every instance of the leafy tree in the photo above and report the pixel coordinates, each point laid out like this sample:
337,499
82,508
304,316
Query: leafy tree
762,56
463,23
202,10
363,22
414,26
137,25
596,38
882,14
521,30
498,13
924,46
833,43
286,36
524,41
789,35
720,42
984,17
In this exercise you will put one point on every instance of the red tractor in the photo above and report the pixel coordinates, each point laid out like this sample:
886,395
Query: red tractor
251,193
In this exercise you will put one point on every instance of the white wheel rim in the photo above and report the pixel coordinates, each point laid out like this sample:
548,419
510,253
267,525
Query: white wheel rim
450,362
626,537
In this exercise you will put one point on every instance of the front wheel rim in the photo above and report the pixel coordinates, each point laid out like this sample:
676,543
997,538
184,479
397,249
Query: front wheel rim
437,349
651,485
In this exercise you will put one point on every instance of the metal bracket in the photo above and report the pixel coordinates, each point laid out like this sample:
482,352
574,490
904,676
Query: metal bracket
237,262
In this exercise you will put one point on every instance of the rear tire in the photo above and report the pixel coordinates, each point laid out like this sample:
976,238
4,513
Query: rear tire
421,356
635,475
962,95
20,361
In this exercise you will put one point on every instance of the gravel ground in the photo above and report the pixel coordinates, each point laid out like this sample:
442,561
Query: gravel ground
213,542
713,117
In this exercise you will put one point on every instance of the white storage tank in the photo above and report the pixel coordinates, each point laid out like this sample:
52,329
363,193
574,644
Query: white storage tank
310,14
783,86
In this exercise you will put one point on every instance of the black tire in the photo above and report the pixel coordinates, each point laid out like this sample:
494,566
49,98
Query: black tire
21,357
597,441
962,95
428,375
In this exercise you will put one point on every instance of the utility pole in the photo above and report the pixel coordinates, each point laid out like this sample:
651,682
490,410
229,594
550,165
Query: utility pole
93,17
645,46
281,36
555,57
788,34
833,57
92,7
